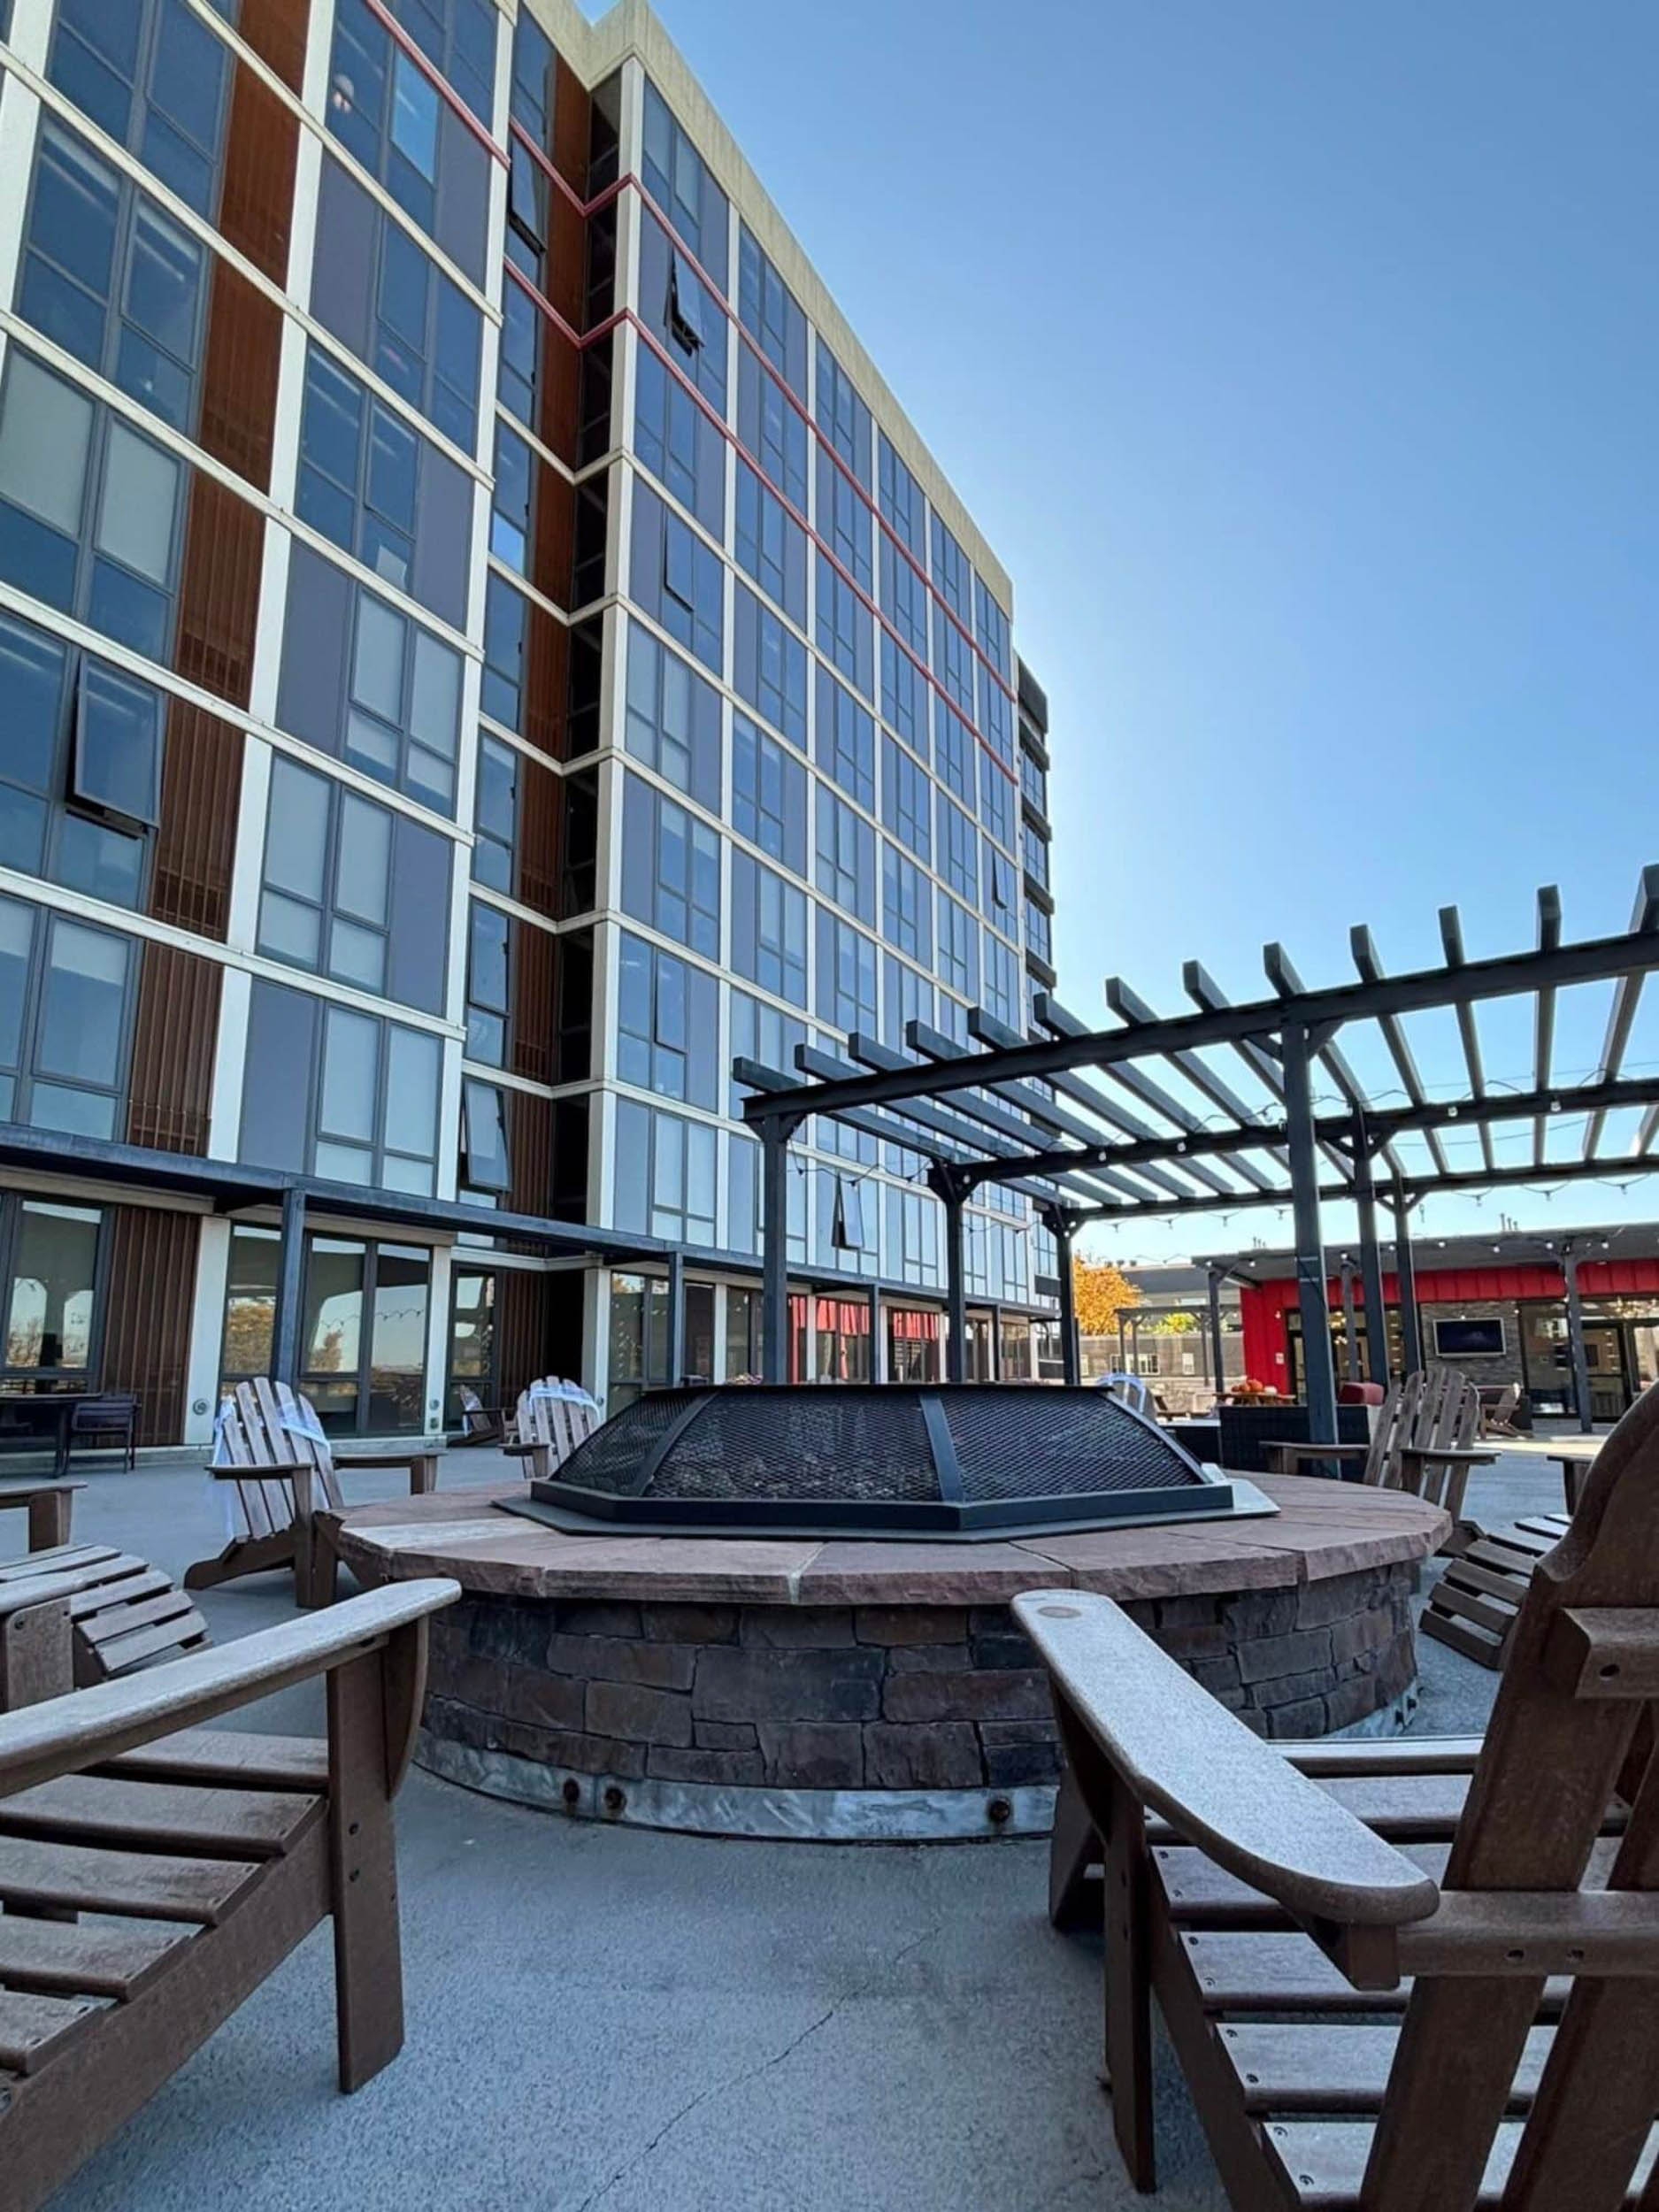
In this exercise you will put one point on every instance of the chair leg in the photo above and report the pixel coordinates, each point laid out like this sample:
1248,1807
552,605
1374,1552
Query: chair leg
49,1518
1073,1850
368,1961
1129,1989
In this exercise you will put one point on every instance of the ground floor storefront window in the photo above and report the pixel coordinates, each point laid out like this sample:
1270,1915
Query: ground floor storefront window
1016,1351
913,1335
363,1330
639,1337
842,1328
49,1254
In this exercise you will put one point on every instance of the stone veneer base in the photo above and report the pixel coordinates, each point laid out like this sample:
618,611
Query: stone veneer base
859,1722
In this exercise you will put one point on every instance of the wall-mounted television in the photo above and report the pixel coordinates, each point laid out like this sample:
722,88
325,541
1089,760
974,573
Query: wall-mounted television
1469,1337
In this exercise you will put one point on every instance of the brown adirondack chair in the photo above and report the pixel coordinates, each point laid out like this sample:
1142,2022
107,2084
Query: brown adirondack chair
120,1612
271,1445
480,1424
1497,1416
1423,1442
1413,1976
199,1860
553,1417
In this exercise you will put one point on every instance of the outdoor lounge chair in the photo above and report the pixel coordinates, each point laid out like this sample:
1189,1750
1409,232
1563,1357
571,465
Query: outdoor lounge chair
121,1613
1423,1441
202,1857
49,1506
554,1417
271,1445
480,1424
1130,1390
1497,1416
1417,1975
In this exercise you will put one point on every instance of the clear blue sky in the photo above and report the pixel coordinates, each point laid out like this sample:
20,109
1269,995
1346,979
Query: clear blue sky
1298,359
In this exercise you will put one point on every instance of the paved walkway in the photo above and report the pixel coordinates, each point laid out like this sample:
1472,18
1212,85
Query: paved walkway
603,2017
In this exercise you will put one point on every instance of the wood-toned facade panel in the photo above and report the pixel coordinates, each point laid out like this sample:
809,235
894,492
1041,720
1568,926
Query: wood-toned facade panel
153,1258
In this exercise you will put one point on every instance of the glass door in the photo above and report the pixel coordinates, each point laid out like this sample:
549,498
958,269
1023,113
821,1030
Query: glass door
1604,1358
472,1343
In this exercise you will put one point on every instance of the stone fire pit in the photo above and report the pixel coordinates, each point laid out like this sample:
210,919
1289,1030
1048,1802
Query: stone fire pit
867,1691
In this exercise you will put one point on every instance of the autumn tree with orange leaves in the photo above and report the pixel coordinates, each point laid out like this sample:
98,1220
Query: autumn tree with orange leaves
1103,1291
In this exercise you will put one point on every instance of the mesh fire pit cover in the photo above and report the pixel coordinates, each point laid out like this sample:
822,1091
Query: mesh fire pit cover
881,1460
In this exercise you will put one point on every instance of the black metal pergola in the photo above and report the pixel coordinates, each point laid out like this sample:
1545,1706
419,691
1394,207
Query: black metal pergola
1139,1121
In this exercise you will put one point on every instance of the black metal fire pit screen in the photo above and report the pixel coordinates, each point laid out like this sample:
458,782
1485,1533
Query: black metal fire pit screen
960,1460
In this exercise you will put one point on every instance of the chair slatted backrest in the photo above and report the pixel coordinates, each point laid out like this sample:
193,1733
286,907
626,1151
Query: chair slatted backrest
557,1415
1571,1729
1132,1390
264,1425
1437,1407
475,1422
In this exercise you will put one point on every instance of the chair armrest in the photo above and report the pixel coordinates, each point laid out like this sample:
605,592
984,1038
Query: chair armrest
1452,1455
1319,1451
17,1595
22,1493
1177,1750
344,1461
65,1734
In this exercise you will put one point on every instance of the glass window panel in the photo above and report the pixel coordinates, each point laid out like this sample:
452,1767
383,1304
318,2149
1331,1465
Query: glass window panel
81,1005
31,684
164,277
377,667
414,116
296,838
434,706
290,931
17,936
414,1060
350,1072
333,1306
363,871
45,430
136,510
54,1275
117,746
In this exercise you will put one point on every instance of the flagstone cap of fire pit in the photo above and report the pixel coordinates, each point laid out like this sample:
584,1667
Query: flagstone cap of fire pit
957,1462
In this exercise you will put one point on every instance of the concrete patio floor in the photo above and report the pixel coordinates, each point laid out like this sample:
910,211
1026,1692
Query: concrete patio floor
653,2023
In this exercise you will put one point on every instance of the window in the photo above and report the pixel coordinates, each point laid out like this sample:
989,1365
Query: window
362,682
906,800
996,717
843,519
535,66
846,856
904,597
513,496
768,665
768,930
330,1092
90,510
907,918
151,74
673,720
845,740
769,311
457,37
996,884
996,801
770,545
844,420
109,275
913,1257
1036,857
381,294
847,1238
353,891
667,1025
680,445
678,180
65,991
496,817
383,492
959,851
386,111
846,975
1002,981
51,1275
1033,783
761,1033
906,997
363,1334
671,869
1039,934
771,429
952,574
687,320
958,962
677,578
955,757
991,624
953,660
80,767
489,980
902,502
903,694
846,635
664,1174
768,794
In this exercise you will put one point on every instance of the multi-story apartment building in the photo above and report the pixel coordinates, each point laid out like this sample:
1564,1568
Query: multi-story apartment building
484,648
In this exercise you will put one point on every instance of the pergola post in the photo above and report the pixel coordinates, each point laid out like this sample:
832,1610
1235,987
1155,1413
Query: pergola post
878,1343
1575,1339
1318,1373
951,1196
1406,1271
1371,1260
676,1350
1218,1276
1070,1350
1350,1332
775,1134
289,1321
